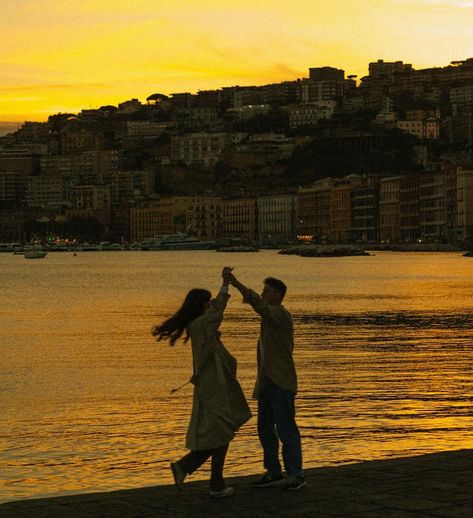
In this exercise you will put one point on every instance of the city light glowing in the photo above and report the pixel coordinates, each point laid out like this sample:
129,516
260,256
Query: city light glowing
62,56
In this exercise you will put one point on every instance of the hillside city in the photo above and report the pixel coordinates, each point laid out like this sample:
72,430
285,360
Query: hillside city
324,158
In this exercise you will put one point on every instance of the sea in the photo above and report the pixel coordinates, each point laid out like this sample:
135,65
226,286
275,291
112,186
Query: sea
8,127
383,348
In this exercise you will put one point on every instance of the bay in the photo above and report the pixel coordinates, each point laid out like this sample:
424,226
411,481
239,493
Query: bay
383,350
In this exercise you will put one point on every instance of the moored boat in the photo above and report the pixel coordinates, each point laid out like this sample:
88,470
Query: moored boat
35,254
178,242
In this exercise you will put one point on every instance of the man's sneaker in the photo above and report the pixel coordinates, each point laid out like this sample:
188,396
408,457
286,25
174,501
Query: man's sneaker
268,480
178,475
295,482
228,491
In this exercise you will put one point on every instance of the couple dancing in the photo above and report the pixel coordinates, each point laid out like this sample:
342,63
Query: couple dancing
219,405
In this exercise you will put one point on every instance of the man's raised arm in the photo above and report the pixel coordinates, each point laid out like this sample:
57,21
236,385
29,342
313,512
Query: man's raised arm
238,285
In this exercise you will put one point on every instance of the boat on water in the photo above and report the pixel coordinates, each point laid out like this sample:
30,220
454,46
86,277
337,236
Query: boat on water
178,242
35,254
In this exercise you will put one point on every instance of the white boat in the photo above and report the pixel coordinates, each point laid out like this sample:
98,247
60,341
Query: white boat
35,254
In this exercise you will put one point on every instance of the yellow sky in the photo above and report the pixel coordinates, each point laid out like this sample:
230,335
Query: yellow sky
65,55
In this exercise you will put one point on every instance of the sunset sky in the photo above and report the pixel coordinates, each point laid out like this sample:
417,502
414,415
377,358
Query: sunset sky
65,55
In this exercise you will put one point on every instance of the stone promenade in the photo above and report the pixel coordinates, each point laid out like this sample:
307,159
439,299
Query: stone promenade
439,484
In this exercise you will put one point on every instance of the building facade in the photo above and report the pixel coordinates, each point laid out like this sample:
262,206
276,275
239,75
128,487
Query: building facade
277,218
240,219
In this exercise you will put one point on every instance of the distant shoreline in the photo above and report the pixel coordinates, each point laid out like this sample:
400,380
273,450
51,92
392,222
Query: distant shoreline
8,127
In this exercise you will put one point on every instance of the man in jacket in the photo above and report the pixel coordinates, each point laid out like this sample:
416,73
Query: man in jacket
276,385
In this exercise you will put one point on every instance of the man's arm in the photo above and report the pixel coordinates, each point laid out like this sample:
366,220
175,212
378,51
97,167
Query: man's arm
238,285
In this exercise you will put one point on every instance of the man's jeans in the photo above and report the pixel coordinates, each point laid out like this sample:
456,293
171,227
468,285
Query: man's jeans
276,418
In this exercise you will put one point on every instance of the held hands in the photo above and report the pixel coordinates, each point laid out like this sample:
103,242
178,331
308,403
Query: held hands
227,275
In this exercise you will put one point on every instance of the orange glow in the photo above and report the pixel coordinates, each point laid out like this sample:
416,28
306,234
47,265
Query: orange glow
66,55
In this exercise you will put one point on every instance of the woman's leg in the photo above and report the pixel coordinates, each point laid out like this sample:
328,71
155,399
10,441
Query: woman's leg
218,460
193,460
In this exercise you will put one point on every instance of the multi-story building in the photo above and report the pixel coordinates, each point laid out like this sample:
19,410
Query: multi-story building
13,224
45,191
427,129
127,185
12,186
465,205
244,96
247,112
320,91
409,207
81,169
309,114
75,141
277,218
173,214
240,219
365,210
283,93
196,118
146,128
25,163
389,209
313,211
432,214
205,217
201,149
144,222
341,207
131,106
450,172
326,74
91,201
91,197
383,68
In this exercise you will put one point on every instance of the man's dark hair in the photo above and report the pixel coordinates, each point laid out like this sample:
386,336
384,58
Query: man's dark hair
277,285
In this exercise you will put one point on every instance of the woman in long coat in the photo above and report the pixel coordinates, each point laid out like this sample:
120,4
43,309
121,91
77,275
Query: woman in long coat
219,406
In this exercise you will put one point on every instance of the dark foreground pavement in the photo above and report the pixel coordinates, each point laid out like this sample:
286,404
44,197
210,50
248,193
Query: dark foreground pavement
439,484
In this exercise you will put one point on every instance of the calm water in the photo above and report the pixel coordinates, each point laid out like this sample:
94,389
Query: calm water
384,347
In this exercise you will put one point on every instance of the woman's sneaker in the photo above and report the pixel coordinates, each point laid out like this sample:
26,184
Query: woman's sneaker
178,475
295,482
268,480
228,491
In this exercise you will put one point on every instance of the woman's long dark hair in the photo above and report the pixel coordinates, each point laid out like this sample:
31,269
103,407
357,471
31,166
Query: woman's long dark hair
192,307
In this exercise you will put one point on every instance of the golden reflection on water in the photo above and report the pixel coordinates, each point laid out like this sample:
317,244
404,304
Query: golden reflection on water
383,349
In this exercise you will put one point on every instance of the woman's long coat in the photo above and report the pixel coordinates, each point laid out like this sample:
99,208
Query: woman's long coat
219,406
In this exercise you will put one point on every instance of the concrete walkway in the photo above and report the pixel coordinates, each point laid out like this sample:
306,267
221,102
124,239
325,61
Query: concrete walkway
439,484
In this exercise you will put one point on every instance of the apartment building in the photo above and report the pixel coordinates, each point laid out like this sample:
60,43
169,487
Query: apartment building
465,204
12,186
127,185
426,129
173,214
90,201
144,222
45,191
432,201
365,211
205,217
240,219
313,211
200,149
309,114
409,207
277,218
389,209
341,207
